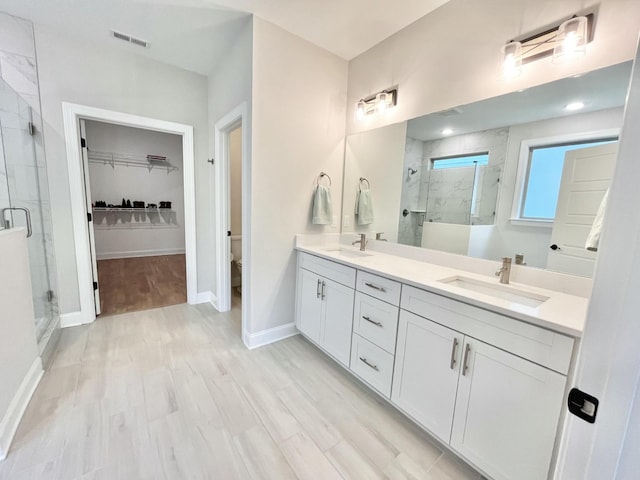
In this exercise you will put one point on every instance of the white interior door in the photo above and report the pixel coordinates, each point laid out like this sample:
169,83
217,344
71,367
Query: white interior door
87,196
586,176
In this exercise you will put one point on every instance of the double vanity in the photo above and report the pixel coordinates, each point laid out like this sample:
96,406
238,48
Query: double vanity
481,366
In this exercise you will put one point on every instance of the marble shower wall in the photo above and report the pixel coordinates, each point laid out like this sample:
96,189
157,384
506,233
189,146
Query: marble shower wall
23,167
446,195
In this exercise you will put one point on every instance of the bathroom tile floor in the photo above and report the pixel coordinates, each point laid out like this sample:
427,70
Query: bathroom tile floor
172,393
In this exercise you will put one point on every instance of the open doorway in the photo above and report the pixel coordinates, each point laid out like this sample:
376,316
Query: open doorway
235,213
135,191
80,209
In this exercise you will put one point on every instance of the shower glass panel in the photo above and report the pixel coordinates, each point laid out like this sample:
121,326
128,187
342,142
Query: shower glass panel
23,174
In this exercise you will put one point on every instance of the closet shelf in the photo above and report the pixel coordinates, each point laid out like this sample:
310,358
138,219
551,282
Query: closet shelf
139,210
135,226
131,160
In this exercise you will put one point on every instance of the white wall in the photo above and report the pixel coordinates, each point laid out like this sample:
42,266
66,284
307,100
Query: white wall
229,85
75,70
144,236
450,57
377,156
18,349
299,93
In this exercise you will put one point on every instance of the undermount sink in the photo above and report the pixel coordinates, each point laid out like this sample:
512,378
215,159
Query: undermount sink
504,292
347,252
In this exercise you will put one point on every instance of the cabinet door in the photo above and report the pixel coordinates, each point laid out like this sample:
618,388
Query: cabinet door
507,413
337,320
309,308
425,377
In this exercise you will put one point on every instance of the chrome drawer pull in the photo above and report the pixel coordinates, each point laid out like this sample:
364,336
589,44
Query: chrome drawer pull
452,364
370,365
377,324
318,289
322,295
375,287
465,367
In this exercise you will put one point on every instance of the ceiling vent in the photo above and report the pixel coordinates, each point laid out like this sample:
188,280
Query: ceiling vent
128,38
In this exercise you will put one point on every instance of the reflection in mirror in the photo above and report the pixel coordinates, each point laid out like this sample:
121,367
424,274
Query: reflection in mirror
457,180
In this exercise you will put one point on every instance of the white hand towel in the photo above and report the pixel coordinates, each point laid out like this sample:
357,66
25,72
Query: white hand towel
593,240
364,207
322,210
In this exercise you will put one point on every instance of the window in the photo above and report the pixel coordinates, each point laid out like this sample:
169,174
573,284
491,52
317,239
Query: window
461,161
543,174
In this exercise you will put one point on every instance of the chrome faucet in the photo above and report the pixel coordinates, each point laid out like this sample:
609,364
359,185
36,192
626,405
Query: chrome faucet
505,271
379,237
362,241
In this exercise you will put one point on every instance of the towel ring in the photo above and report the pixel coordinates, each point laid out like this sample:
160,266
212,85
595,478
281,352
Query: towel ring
323,174
362,179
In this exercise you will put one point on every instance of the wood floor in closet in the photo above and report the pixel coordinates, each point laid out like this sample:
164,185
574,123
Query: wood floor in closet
172,393
141,283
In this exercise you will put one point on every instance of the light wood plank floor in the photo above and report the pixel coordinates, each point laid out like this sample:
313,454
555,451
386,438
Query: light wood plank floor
172,393
141,283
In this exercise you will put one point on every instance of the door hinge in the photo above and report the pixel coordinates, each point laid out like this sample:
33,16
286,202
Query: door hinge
211,161
83,143
89,217
31,128
49,295
95,286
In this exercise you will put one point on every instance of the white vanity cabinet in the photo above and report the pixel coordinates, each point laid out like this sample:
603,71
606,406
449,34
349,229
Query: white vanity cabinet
425,378
324,304
498,409
489,386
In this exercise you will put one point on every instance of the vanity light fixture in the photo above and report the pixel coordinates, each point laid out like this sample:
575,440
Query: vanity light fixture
376,103
574,106
564,42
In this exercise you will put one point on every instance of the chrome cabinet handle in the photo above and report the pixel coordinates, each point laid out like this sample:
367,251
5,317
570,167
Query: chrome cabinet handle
465,366
318,289
375,287
322,294
452,363
370,365
377,324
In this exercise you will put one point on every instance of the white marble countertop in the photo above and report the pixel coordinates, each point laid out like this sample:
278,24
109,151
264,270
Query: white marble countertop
562,312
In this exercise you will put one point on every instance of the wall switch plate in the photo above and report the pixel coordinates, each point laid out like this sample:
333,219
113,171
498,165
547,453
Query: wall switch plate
346,221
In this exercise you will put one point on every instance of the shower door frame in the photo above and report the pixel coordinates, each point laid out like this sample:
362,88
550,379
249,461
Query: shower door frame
72,113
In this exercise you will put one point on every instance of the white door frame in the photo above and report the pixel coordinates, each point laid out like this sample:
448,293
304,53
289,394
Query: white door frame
220,180
71,115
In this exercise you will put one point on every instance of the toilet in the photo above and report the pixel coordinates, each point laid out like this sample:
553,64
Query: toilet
239,266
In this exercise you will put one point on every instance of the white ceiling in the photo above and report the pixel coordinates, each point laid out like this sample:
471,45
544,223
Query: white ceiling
193,34
598,90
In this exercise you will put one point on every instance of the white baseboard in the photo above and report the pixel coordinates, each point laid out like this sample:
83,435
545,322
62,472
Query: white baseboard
265,337
207,297
72,319
18,405
139,253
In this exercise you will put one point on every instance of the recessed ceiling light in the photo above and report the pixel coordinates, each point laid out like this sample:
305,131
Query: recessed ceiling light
447,131
574,106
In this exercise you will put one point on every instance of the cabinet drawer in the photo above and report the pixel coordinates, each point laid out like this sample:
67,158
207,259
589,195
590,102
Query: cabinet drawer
376,321
544,347
372,364
379,287
328,269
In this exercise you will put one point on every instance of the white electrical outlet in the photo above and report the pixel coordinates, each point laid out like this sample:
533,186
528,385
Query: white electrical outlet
346,221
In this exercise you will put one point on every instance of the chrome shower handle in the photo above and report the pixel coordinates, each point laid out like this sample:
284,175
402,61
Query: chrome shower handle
27,214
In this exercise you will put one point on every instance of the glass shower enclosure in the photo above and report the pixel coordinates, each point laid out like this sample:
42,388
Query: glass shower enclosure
24,194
